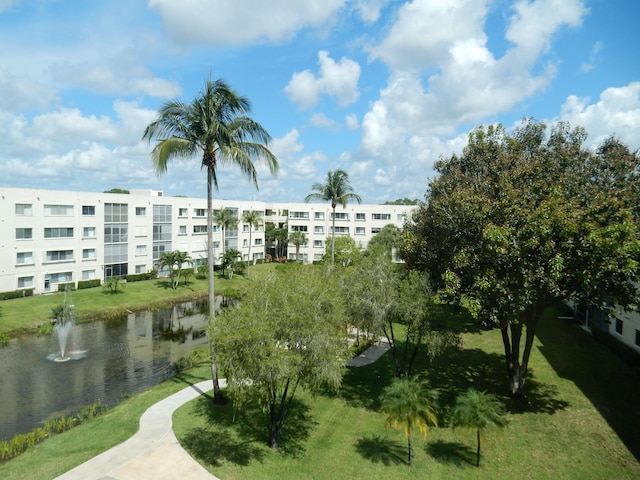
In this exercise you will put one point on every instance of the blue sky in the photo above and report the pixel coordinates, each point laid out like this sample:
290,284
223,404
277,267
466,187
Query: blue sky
380,88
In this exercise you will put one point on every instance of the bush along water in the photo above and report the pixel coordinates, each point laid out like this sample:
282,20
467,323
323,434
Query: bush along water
20,443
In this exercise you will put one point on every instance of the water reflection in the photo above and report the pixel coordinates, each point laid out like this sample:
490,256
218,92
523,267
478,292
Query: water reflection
112,359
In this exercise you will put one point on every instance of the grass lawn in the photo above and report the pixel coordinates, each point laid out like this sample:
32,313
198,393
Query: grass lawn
580,420
26,313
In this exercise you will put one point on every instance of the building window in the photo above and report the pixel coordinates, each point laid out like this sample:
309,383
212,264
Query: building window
341,216
381,216
115,253
619,325
58,210
257,241
58,232
24,258
304,215
182,212
59,255
24,209
318,215
375,230
299,228
360,230
215,229
88,253
141,231
245,243
400,217
25,282
199,212
199,229
54,278
344,230
317,256
89,232
88,210
140,268
24,233
116,213
141,249
88,275
116,233
318,229
360,216
141,211
182,230
317,244
245,228
216,245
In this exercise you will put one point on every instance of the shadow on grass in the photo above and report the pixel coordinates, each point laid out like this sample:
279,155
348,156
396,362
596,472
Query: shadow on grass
451,453
378,449
240,436
602,376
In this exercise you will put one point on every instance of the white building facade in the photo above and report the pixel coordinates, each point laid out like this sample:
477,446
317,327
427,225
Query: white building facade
50,237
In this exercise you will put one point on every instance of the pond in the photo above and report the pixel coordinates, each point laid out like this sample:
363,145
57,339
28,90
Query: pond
109,360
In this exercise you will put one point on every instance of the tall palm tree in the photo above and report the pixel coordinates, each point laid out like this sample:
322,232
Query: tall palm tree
408,404
254,219
298,238
215,125
225,218
478,410
336,190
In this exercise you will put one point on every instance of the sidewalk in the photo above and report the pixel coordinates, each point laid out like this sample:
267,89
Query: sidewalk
154,451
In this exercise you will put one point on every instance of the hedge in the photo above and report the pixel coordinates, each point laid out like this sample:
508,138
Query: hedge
88,283
27,292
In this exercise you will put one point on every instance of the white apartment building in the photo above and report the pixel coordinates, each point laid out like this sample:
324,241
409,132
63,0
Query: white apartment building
49,237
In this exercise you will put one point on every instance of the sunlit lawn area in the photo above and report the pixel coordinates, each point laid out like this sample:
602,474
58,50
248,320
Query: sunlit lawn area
581,402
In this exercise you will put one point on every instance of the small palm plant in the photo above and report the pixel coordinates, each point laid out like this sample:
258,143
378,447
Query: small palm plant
478,410
409,403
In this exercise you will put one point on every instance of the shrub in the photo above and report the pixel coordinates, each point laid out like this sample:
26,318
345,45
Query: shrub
62,287
82,284
137,277
27,292
4,339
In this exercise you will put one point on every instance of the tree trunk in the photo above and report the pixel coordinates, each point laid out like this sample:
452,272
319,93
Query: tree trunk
409,445
275,430
512,357
333,236
217,393
478,449
249,259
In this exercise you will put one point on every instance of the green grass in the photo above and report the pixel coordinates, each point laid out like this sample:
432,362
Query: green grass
580,421
63,452
29,313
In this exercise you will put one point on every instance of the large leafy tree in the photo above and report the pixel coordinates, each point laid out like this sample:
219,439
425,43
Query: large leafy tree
227,220
215,125
479,411
409,404
254,220
524,219
338,190
282,338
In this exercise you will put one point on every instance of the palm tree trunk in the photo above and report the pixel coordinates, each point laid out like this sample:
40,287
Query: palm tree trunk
409,444
333,236
217,393
478,451
249,259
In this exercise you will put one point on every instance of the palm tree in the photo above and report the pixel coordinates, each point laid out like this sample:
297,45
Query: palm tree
254,219
297,238
174,262
478,410
225,218
215,124
408,404
337,190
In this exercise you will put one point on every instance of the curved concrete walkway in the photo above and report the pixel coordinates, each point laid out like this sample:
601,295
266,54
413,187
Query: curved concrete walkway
154,452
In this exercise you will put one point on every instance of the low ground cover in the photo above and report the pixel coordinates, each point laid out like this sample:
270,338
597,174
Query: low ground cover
578,421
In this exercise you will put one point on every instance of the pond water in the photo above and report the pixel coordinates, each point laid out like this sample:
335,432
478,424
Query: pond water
109,360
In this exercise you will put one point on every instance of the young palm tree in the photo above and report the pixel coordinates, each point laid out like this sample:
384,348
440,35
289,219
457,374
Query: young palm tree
215,125
336,190
477,410
409,403
225,218
298,238
254,219
174,261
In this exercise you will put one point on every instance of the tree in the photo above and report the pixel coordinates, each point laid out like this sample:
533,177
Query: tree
343,250
174,261
408,404
215,124
336,190
477,410
525,219
226,219
229,259
254,220
403,201
281,338
388,239
298,238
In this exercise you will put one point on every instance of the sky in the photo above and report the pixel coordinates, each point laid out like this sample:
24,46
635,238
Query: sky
379,88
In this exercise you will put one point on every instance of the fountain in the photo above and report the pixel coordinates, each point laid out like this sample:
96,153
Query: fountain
65,319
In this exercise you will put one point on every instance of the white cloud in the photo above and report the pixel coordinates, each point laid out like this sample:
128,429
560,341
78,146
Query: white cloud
217,22
320,120
351,121
617,112
594,58
338,80
23,93
369,9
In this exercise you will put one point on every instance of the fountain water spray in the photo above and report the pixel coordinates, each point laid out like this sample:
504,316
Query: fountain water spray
65,318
